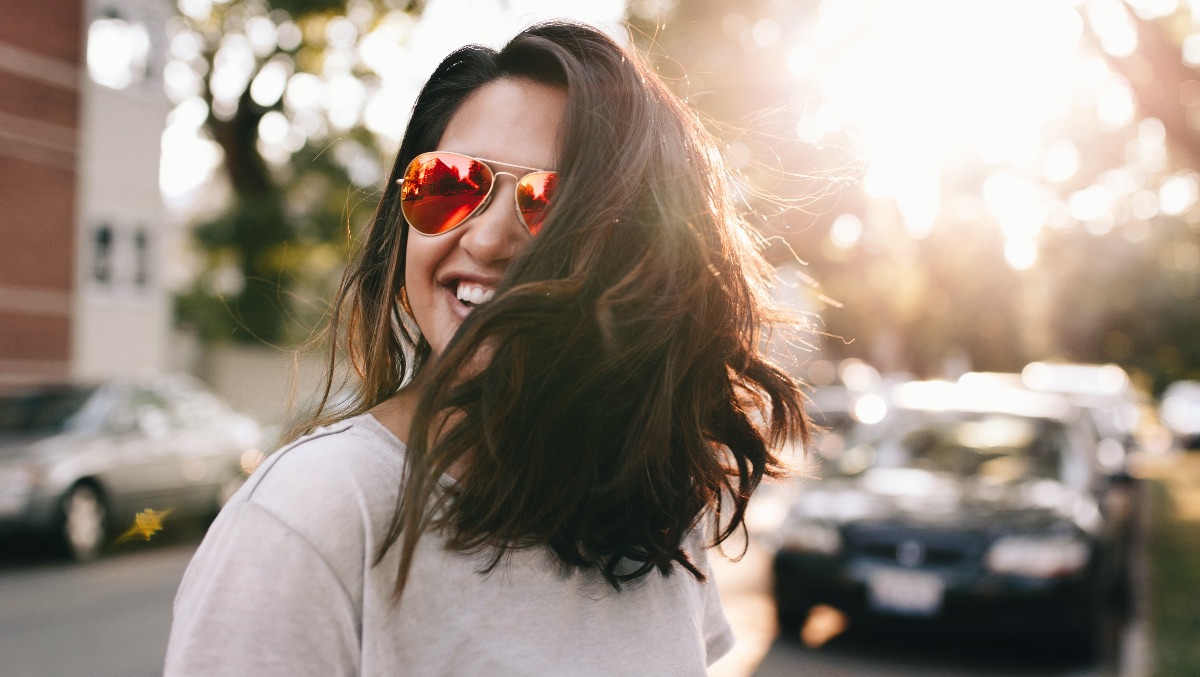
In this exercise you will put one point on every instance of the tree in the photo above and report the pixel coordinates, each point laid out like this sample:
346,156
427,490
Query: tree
280,240
1118,267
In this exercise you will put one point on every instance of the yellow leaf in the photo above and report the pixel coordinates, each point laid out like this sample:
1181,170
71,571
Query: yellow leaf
145,524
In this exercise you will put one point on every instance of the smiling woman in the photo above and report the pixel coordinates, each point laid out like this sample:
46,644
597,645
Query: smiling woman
554,319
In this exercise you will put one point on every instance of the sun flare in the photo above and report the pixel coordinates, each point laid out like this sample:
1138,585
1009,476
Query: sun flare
927,85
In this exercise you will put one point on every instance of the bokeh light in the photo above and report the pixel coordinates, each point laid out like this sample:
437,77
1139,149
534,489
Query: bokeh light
117,52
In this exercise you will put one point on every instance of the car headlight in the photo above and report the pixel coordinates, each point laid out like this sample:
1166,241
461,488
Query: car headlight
1045,557
798,535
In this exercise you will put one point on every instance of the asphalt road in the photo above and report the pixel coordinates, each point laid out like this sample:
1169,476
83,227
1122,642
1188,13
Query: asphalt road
112,617
104,618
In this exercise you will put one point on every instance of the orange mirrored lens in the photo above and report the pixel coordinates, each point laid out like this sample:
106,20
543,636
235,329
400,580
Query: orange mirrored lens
534,193
440,190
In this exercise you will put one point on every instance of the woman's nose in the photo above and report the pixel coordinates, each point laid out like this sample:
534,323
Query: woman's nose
495,234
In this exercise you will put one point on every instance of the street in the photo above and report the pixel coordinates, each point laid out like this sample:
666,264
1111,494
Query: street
104,618
112,617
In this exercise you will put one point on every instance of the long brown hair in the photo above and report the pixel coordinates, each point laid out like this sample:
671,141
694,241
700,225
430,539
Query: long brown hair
624,393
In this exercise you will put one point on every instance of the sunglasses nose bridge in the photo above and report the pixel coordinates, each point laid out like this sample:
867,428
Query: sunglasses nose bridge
496,176
496,183
493,189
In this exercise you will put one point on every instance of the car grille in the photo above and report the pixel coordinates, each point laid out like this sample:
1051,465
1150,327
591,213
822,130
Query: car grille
913,548
932,556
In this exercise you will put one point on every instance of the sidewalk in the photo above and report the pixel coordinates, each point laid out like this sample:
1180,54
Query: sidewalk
1179,474
1173,565
746,596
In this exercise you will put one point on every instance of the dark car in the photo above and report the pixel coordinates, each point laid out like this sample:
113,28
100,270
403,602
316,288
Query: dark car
79,461
964,508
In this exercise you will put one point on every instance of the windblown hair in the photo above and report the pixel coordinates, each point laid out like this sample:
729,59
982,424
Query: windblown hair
614,393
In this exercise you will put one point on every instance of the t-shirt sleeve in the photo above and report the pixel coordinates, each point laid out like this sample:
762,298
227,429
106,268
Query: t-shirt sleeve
718,636
259,599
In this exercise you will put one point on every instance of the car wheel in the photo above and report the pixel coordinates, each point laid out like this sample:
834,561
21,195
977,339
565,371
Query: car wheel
791,612
790,621
1121,596
83,523
1086,643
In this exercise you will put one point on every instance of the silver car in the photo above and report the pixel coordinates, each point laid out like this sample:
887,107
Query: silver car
78,462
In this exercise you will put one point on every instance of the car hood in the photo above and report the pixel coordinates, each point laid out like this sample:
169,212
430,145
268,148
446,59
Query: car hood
15,447
39,448
917,498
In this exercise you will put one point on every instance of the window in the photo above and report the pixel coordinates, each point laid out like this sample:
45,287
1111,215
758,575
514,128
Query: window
141,260
102,263
117,51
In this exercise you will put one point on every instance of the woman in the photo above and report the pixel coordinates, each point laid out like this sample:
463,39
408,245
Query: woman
554,317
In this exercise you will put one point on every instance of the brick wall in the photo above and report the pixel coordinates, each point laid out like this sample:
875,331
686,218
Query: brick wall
41,61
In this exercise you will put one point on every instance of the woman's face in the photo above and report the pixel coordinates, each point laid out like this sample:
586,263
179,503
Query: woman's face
511,121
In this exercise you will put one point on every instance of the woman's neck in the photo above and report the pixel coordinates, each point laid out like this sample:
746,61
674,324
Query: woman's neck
397,412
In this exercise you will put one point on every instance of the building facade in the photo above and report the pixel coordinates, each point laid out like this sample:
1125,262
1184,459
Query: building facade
41,60
82,110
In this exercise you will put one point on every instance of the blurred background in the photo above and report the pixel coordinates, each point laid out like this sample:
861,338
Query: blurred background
994,193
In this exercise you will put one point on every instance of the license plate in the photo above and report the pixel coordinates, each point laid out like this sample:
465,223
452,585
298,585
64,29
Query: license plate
914,593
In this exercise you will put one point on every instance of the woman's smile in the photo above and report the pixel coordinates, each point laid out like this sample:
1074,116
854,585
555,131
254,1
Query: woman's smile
472,295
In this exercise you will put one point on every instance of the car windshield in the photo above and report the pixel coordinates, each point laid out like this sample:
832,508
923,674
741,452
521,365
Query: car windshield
985,446
41,411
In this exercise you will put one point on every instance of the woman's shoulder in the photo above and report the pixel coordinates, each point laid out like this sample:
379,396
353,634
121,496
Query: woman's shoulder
347,473
288,548
348,443
354,449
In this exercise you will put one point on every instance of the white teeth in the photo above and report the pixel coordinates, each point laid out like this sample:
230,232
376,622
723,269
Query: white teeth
474,294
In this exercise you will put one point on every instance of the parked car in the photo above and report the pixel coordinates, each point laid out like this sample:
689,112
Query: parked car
964,508
1102,391
1109,397
79,461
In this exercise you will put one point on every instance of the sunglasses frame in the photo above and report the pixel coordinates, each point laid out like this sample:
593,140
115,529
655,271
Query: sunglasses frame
487,198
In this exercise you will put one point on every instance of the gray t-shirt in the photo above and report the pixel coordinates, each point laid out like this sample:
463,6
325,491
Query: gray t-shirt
283,584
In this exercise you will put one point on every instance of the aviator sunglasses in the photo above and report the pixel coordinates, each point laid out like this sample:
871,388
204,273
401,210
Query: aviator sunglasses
441,190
